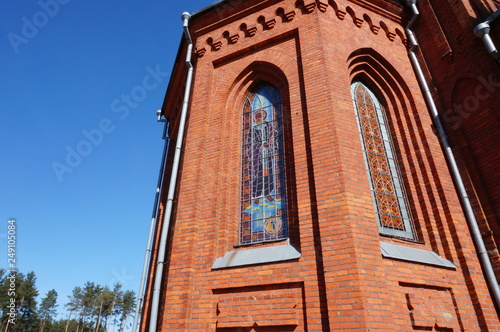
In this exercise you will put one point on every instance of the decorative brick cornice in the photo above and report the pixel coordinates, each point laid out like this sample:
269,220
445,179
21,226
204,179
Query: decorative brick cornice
215,45
310,6
374,28
231,39
340,14
249,31
322,6
391,35
200,51
356,20
290,15
285,15
266,25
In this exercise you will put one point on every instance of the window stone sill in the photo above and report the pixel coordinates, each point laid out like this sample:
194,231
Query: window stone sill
399,252
256,256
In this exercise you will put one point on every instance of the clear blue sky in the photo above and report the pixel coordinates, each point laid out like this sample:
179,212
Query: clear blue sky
65,74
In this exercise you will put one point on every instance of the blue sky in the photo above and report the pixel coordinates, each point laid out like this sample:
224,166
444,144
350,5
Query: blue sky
80,83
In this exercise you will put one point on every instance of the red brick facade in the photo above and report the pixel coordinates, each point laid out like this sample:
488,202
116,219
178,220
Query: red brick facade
312,51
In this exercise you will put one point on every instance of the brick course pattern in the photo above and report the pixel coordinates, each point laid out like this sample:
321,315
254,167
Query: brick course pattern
312,51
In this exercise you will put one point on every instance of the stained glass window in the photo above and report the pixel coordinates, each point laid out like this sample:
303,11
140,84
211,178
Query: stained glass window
387,188
263,194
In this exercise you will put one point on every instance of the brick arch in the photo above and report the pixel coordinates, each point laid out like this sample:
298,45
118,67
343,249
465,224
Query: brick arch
371,68
228,83
233,92
447,92
436,216
466,96
258,71
229,89
410,141
239,78
368,65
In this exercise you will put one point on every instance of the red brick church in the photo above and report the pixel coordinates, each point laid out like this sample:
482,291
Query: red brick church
330,165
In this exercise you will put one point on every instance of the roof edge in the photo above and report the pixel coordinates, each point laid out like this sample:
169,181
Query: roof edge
207,8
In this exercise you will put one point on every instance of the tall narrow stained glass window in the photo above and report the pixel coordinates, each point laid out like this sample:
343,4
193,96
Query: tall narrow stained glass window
387,188
263,190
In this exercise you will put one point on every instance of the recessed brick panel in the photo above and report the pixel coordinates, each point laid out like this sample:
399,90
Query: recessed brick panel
432,307
274,305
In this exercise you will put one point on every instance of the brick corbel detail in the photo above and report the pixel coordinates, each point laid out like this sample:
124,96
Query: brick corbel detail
290,15
249,31
215,45
357,21
375,29
231,39
391,35
200,51
306,7
309,5
322,6
267,25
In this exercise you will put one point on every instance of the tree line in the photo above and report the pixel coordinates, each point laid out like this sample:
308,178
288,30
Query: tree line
90,308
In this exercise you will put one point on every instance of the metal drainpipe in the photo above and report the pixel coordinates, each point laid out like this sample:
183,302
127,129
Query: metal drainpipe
469,213
482,30
156,205
173,180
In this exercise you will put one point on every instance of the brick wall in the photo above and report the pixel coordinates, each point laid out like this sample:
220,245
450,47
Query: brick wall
312,51
467,93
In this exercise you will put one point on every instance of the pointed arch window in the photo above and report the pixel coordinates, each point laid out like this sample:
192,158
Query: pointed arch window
388,194
263,190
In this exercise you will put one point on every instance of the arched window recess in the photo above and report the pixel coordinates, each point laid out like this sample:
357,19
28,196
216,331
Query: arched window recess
387,188
263,189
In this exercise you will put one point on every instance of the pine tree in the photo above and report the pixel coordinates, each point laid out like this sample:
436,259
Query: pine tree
126,307
48,308
74,304
4,298
104,302
117,296
18,296
89,301
28,294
